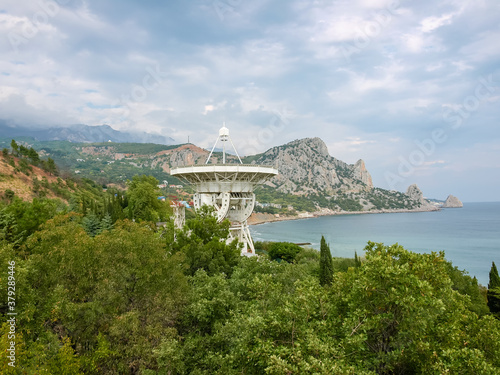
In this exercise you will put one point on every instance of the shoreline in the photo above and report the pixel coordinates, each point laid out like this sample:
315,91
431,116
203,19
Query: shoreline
258,218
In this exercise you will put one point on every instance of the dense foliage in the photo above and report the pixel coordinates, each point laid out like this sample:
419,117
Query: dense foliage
137,299
286,251
100,293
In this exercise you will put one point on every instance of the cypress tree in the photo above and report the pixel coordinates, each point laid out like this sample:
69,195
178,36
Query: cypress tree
494,277
493,293
325,264
84,206
357,261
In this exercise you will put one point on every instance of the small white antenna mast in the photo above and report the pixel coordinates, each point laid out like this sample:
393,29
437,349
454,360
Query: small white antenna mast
223,137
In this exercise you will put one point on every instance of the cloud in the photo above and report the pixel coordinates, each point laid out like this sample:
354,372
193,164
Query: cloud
92,62
432,23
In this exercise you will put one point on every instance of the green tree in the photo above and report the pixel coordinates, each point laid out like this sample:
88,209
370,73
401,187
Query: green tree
143,193
204,243
36,185
493,294
15,148
395,314
357,261
9,194
465,285
116,295
25,167
91,224
24,151
50,166
325,264
286,251
494,277
106,222
33,156
411,319
20,219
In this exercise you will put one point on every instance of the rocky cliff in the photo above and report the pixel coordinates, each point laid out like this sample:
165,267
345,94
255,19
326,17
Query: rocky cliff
452,202
181,156
416,194
305,167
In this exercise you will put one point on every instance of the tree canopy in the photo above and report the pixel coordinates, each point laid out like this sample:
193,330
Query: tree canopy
143,193
99,293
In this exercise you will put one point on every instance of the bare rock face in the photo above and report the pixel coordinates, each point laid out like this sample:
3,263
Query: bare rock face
187,155
416,194
452,202
181,156
361,173
305,166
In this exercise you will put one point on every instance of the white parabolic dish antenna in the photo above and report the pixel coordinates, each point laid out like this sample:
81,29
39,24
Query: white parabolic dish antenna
228,188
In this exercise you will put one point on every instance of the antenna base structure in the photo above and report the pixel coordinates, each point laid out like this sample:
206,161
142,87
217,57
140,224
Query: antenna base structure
179,214
228,188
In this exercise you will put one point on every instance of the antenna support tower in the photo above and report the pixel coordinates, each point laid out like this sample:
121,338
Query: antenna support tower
228,188
179,214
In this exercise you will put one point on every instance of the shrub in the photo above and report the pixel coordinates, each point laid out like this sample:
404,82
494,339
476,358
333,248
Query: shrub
286,251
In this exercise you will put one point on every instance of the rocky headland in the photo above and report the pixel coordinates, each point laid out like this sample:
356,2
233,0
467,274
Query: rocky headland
452,202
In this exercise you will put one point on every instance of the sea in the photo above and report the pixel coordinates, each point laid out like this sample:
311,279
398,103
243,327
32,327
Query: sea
469,236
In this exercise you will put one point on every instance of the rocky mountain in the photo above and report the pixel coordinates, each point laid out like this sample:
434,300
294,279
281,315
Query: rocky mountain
452,202
416,194
305,167
82,133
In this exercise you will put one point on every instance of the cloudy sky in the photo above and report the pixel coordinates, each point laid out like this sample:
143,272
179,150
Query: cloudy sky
410,87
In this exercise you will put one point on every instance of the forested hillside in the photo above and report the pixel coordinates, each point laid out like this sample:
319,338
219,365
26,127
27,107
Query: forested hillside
98,288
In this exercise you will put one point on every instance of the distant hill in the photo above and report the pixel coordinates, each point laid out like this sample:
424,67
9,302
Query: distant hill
305,167
82,134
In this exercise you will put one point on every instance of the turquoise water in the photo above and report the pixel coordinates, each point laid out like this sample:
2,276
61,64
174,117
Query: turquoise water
470,236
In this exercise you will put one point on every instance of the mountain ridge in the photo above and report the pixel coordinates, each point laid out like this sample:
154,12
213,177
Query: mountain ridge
314,169
80,133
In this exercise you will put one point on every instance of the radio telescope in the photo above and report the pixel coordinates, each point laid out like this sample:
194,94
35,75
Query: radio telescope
228,188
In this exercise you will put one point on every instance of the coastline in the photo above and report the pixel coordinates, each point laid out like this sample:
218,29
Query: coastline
261,218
